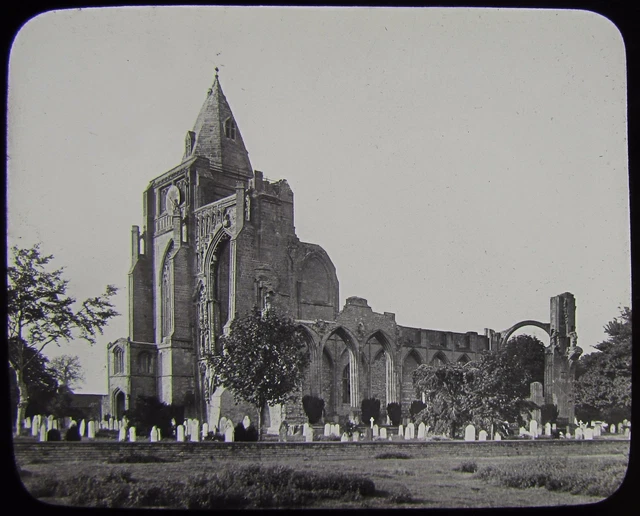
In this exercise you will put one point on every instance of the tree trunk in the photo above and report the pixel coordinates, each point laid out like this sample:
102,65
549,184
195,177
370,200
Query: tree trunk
23,401
259,423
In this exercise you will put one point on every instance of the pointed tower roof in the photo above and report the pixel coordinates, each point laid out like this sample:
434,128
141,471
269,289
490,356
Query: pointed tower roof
216,135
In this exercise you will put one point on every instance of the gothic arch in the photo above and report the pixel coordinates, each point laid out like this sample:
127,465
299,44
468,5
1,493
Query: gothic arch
504,335
384,340
439,357
351,344
412,360
220,235
166,292
464,359
219,314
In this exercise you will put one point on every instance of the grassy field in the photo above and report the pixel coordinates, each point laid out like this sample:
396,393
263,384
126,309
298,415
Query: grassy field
438,482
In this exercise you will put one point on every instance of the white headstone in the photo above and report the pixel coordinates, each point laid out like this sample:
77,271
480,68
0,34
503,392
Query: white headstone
522,431
153,435
91,430
383,433
228,434
195,431
132,434
159,434
422,431
554,427
187,427
588,434
547,429
578,433
54,424
482,435
305,429
43,433
356,437
597,431
533,428
246,422
371,419
180,434
497,437
412,431
308,436
470,433
27,422
335,429
327,430
82,427
110,423
375,431
401,431
344,438
223,424
627,431
205,430
34,427
122,434
613,429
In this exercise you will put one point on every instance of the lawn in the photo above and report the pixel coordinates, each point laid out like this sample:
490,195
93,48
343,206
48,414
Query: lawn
400,482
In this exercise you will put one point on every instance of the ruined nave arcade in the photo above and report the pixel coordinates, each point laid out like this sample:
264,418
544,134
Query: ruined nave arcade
217,239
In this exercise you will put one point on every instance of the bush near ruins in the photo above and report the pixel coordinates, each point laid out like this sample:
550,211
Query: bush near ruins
394,411
313,408
149,411
416,407
370,409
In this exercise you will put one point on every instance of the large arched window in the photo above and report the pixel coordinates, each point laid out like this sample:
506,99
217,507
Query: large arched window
118,361
166,297
346,385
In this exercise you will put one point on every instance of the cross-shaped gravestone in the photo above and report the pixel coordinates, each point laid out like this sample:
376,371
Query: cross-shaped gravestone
371,420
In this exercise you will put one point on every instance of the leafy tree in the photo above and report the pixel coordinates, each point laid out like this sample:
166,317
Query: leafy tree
370,409
603,385
522,362
416,407
40,312
67,370
263,361
313,408
149,411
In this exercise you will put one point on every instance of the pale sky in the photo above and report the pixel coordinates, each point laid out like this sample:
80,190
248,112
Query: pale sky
460,166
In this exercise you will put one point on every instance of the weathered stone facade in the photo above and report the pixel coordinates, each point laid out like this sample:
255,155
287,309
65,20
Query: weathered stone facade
218,239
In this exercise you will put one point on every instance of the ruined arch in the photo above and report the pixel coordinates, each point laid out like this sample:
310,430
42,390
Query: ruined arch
166,292
504,335
411,362
377,370
439,359
351,344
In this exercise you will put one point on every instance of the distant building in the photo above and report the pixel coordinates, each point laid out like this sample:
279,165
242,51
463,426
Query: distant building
218,238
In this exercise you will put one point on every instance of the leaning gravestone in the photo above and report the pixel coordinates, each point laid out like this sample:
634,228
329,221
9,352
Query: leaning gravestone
497,437
344,438
228,434
132,434
588,434
470,433
422,431
91,430
180,434
327,430
482,435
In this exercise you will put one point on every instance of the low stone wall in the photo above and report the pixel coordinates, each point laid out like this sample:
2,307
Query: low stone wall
104,451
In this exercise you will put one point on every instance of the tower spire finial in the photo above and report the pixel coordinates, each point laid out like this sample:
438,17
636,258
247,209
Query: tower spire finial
217,70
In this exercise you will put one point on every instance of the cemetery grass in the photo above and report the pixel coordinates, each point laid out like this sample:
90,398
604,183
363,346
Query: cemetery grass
399,482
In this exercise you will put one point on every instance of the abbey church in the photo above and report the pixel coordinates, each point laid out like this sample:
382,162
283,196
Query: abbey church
218,239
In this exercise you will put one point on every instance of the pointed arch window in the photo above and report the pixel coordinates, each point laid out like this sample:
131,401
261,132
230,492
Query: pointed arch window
118,361
166,297
230,128
346,385
144,362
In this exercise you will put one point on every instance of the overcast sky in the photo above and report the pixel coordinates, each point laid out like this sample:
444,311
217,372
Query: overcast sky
460,166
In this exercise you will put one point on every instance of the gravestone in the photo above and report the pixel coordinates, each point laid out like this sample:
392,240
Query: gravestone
180,434
27,423
613,429
533,428
588,434
282,432
228,434
153,435
422,431
54,424
305,429
567,436
159,434
522,431
327,429
344,438
554,427
308,436
627,431
412,431
547,429
401,431
482,435
470,433
82,427
335,429
368,434
290,430
356,437
497,437
205,430
132,434
34,428
383,433
578,433
43,433
195,431
91,430
375,431
110,423
122,434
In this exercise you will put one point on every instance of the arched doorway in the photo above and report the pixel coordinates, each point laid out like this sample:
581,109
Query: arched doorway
411,362
119,404
340,351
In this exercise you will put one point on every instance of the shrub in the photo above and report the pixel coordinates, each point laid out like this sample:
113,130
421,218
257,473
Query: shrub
149,411
392,455
468,466
416,407
549,413
350,427
54,435
135,458
73,434
313,408
394,410
370,409
239,433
